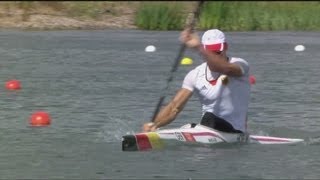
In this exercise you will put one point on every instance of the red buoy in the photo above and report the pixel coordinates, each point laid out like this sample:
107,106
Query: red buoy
252,79
13,84
40,118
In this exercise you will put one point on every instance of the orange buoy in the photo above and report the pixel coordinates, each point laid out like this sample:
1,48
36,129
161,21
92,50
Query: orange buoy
40,118
13,84
252,79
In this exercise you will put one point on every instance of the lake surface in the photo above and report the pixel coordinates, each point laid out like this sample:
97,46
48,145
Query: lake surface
100,85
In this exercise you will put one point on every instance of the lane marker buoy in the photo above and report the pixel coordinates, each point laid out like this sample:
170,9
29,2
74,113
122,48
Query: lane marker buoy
13,84
252,79
40,118
186,61
150,48
299,48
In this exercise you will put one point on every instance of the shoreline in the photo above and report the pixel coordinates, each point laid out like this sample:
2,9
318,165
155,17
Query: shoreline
104,15
56,16
54,22
71,15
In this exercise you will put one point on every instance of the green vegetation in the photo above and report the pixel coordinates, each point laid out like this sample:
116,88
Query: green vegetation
84,9
236,16
172,15
159,16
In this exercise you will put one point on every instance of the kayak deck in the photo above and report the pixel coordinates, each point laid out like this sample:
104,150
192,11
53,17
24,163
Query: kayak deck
195,133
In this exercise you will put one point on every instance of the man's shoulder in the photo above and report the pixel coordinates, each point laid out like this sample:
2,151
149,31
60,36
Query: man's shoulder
234,59
197,70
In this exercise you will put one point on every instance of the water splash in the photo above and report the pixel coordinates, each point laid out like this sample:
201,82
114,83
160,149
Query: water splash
115,129
313,141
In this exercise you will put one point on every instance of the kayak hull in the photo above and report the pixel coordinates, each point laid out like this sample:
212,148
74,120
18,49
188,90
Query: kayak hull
195,133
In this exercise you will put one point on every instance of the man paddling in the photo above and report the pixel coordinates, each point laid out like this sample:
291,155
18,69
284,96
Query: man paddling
221,83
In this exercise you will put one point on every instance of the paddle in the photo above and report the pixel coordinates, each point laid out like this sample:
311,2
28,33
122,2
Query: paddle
196,14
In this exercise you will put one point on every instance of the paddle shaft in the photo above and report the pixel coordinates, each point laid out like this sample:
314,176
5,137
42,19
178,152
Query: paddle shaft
177,60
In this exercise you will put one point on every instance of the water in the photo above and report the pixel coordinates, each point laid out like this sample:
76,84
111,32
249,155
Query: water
100,85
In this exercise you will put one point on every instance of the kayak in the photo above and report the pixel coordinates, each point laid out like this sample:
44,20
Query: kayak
195,133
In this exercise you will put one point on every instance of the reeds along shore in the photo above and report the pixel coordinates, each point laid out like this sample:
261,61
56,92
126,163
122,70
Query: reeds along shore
172,15
234,16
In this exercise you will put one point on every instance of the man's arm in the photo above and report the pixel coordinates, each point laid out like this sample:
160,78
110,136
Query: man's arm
170,111
216,62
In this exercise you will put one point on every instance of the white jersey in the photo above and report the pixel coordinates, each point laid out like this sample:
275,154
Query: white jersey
230,101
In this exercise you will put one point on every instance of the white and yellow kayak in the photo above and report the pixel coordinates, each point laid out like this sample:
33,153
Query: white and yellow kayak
194,133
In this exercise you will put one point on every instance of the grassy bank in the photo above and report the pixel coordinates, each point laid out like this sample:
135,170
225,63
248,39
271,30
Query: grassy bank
53,15
161,15
77,9
236,15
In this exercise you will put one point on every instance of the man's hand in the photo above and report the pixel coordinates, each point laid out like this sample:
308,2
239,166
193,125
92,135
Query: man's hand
150,126
191,40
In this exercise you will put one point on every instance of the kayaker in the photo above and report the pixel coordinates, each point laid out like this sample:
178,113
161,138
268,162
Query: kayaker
221,83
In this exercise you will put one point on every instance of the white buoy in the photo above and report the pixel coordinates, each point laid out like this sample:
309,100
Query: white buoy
150,48
299,48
